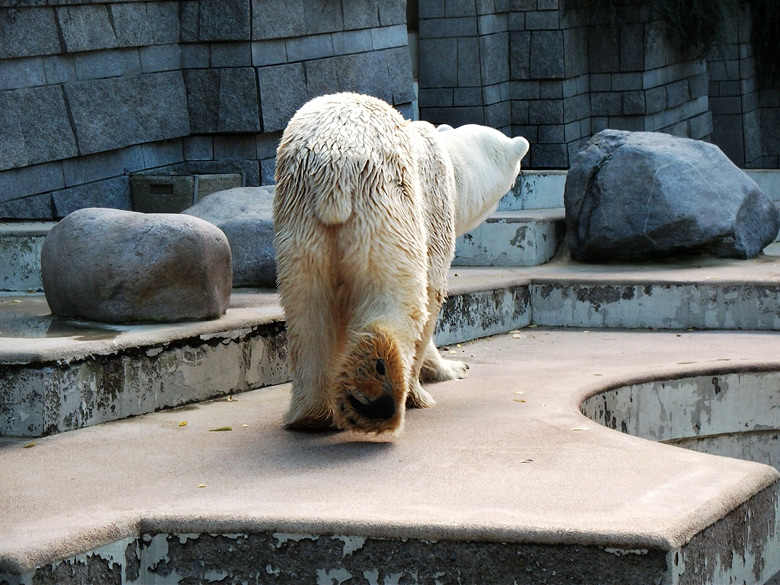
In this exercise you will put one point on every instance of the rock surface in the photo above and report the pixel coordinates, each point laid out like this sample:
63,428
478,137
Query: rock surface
121,266
245,214
642,195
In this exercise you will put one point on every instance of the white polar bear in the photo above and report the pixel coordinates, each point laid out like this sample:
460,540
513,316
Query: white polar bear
366,209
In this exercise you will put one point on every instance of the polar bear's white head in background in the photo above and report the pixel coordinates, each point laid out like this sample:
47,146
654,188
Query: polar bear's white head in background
486,164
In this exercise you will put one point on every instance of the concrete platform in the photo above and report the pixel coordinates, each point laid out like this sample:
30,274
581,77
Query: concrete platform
503,481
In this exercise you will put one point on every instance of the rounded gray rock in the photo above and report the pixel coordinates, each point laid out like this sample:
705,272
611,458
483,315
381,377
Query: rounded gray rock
245,214
642,195
121,266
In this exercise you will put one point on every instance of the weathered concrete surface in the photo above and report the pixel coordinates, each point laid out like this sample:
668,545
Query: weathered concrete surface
569,499
512,238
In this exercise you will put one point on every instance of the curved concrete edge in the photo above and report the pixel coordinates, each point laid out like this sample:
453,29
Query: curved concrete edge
740,501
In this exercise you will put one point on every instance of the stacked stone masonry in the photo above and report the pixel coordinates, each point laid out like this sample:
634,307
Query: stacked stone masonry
93,91
543,69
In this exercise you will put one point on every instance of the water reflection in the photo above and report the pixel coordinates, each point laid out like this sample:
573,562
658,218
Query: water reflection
29,317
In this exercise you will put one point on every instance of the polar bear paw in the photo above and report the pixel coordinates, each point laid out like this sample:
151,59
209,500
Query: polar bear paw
369,393
437,369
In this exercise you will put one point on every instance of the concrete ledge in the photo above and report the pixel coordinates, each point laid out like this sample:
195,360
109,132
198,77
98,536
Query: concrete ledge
504,480
512,238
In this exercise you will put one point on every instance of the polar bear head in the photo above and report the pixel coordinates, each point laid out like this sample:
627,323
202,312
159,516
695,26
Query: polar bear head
486,163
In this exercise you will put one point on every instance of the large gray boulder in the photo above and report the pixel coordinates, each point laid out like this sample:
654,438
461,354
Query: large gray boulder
123,267
245,214
642,195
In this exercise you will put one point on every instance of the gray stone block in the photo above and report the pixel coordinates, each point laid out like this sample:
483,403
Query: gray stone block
86,169
202,99
245,216
632,49
655,100
130,24
603,53
189,17
519,111
626,81
469,68
275,19
162,153
112,113
448,27
160,58
489,24
173,267
271,52
526,90
31,207
195,56
267,171
551,134
163,19
551,90
34,127
282,92
520,54
235,147
31,180
309,47
431,98
391,13
198,148
438,62
494,58
549,156
701,127
86,28
16,26
467,96
224,21
20,73
267,144
388,37
575,51
606,104
351,41
633,103
677,93
546,112
231,54
238,101
322,16
249,170
59,69
110,193
454,116
432,9
576,108
460,8
547,56
542,20
102,64
361,14
399,70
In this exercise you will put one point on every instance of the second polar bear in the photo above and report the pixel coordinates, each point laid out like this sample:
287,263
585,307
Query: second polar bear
366,210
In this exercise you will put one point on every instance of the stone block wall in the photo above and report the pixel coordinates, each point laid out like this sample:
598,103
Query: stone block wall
746,116
91,92
568,78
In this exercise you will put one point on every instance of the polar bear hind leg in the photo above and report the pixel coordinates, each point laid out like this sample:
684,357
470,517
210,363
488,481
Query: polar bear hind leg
436,369
309,301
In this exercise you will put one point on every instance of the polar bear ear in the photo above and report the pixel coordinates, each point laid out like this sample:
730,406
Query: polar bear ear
520,146
444,127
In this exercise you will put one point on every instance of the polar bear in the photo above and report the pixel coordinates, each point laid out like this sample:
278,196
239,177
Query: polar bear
367,206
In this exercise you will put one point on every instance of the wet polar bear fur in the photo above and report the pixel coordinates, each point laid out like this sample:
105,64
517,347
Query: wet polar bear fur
366,209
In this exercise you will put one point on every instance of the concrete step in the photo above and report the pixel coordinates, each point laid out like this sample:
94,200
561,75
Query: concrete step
512,238
58,374
503,481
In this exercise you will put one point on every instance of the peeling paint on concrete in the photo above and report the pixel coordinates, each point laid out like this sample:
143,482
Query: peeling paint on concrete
351,543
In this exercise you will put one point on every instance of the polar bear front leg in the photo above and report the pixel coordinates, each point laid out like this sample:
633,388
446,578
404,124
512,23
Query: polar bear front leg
437,369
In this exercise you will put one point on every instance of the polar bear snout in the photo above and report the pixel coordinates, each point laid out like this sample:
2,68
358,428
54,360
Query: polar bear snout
383,408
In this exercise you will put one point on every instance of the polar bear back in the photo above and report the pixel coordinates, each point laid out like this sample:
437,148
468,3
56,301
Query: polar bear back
334,146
